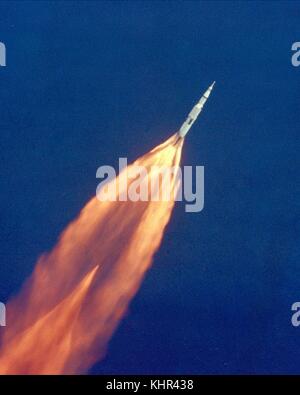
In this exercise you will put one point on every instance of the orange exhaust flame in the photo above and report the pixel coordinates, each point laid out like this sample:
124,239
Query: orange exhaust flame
67,311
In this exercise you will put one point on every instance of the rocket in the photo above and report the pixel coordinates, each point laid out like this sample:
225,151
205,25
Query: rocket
193,115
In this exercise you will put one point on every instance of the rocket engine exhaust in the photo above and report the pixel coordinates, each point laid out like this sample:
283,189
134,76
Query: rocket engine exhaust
67,311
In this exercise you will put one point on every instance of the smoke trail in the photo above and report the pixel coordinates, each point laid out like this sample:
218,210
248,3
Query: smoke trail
63,318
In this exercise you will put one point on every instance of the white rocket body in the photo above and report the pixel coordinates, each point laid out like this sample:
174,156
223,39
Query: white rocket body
193,115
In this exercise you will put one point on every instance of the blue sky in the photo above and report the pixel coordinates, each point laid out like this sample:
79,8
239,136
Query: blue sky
89,82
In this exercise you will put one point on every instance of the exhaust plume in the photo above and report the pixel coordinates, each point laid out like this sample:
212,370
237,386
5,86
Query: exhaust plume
67,311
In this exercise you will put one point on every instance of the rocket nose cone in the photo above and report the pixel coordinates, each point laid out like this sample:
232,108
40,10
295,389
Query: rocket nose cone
212,85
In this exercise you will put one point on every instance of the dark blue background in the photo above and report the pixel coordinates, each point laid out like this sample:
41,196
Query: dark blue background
88,82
